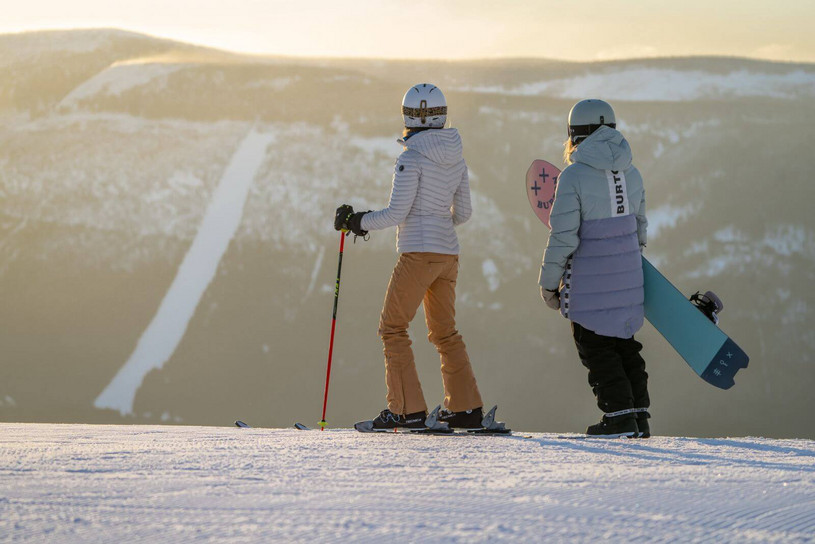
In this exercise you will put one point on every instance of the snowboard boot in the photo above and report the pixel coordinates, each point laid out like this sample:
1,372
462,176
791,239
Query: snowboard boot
614,427
388,421
469,419
642,424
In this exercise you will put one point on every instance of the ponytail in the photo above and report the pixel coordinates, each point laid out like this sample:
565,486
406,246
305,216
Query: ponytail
569,147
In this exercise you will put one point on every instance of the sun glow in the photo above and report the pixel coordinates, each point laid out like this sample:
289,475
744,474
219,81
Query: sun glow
454,29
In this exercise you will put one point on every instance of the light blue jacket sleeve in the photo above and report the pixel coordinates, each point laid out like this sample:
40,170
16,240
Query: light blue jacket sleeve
563,239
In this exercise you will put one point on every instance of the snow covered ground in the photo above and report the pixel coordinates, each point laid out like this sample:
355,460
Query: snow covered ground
83,483
665,85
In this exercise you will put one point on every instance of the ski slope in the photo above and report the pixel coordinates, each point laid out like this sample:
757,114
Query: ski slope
664,85
200,264
84,483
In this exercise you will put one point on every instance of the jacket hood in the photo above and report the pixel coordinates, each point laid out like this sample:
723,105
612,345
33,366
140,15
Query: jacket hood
442,146
604,149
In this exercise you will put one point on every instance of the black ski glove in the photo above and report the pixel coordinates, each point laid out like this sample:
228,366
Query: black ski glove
355,224
346,219
341,217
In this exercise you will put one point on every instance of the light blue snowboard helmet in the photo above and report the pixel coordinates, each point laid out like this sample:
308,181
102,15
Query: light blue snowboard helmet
587,116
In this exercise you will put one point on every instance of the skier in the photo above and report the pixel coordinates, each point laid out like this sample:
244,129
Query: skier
430,196
592,269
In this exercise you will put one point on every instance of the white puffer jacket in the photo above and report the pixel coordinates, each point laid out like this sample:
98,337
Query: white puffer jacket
430,195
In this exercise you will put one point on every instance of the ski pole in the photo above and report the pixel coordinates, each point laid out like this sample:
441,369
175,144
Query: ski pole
333,325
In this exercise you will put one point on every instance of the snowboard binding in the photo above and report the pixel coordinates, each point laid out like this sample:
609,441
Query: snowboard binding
709,304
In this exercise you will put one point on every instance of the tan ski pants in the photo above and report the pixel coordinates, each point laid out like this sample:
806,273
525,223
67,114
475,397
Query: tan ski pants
428,278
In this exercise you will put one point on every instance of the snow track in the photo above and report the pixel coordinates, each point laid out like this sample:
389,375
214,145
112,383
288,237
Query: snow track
81,483
162,336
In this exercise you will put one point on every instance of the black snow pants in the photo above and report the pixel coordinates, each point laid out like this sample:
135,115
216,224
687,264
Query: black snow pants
616,370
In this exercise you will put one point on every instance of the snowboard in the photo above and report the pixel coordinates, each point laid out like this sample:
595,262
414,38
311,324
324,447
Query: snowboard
704,346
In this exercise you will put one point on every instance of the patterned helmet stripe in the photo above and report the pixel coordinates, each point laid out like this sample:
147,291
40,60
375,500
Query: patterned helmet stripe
424,112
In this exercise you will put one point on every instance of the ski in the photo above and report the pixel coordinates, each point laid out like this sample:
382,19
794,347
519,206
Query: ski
367,428
485,431
432,426
596,437
243,425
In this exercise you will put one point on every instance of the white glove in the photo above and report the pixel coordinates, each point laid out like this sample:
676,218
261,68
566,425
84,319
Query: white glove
551,298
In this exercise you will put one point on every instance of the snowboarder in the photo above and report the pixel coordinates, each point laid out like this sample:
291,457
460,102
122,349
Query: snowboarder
430,196
592,268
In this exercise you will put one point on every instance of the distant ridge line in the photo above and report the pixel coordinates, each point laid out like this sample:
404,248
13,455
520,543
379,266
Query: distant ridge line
122,33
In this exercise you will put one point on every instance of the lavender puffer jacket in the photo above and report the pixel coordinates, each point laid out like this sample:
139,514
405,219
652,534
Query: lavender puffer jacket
598,226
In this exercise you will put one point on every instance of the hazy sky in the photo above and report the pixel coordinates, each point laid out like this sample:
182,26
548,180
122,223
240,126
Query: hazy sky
587,30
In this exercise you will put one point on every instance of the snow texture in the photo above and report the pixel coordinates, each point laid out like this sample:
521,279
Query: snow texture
120,78
666,85
666,217
738,252
223,217
83,483
38,44
491,274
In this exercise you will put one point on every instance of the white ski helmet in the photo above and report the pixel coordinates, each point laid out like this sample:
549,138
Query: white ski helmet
424,105
587,116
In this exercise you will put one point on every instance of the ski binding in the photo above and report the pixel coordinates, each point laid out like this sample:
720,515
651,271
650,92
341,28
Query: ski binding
490,426
432,426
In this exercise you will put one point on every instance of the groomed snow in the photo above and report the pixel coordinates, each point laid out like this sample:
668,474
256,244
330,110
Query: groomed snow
83,483
120,78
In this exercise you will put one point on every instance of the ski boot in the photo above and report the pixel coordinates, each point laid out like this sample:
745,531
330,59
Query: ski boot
469,419
474,421
709,304
417,422
614,427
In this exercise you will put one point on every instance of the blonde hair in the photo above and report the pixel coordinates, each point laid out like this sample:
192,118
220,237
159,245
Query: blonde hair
568,148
